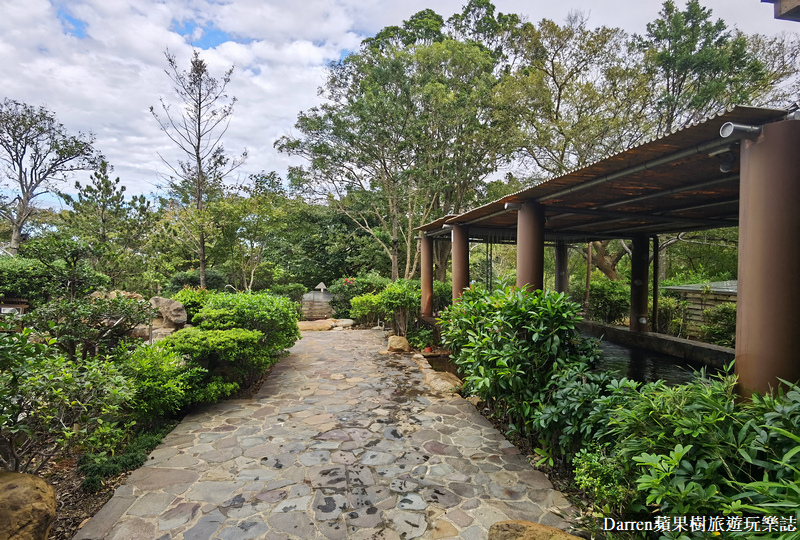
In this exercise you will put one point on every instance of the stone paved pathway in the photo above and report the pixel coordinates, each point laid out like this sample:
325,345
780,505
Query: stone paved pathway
340,442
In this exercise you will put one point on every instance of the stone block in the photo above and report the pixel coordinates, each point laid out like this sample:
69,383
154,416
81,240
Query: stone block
27,507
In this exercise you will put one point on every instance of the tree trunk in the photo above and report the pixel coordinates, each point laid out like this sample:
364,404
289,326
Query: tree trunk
16,239
441,253
202,256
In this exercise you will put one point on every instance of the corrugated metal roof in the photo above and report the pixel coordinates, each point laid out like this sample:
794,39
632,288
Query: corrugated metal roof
669,184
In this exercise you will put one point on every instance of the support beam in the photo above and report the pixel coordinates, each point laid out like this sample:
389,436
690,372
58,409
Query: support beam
655,284
640,261
768,318
426,275
562,270
460,239
530,246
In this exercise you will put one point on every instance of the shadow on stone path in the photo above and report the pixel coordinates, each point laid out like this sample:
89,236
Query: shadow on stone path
340,442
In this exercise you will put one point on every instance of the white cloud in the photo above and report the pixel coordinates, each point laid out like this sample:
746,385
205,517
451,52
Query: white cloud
106,81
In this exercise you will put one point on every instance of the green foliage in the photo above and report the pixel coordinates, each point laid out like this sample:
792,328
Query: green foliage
275,317
509,344
671,316
343,290
163,383
67,263
192,298
366,309
609,301
95,467
231,357
442,295
600,475
720,327
419,337
49,404
401,300
292,291
24,278
85,327
215,281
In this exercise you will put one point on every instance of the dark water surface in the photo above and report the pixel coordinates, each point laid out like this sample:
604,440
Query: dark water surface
637,364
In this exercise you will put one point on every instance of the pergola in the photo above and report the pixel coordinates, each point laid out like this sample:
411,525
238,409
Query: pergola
739,168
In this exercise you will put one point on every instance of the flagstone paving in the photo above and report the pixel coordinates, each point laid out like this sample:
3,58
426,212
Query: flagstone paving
341,442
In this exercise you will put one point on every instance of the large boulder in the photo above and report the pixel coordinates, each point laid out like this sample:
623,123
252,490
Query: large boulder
172,311
398,344
27,507
526,530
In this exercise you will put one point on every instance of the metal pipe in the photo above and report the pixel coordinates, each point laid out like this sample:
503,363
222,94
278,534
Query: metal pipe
647,165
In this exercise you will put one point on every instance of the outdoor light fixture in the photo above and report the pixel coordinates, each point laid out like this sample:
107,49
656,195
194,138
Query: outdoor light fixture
740,131
512,206
728,161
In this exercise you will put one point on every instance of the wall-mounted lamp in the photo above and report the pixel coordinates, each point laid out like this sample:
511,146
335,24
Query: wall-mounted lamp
728,161
512,206
739,131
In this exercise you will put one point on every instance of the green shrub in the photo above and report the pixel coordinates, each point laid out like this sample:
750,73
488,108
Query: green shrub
671,316
419,337
344,289
275,317
193,299
49,404
442,296
215,280
232,357
86,327
366,309
292,291
508,343
609,301
720,327
400,300
163,383
600,475
24,278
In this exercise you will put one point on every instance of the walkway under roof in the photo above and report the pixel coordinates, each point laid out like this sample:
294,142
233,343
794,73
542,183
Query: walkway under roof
668,185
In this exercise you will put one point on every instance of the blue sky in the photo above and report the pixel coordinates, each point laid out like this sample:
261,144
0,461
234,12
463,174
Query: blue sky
99,64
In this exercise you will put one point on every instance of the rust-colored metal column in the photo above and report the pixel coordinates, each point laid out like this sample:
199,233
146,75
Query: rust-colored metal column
426,275
562,271
530,246
460,239
654,316
768,298
640,262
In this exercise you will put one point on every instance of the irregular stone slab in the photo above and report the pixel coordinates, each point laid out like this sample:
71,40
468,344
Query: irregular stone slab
411,501
213,492
131,528
177,516
408,524
294,523
442,497
327,476
206,526
526,530
367,517
328,507
155,478
245,530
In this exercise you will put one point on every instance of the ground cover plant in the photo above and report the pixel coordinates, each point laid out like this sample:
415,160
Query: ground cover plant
648,449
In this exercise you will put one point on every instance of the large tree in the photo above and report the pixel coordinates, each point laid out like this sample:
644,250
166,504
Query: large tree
698,66
114,225
197,128
37,153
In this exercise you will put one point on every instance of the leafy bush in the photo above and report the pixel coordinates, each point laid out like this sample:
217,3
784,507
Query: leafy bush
193,299
401,301
275,317
89,326
671,316
600,475
215,280
292,291
442,296
162,382
231,357
419,338
48,404
609,301
508,343
720,327
366,309
344,289
24,278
